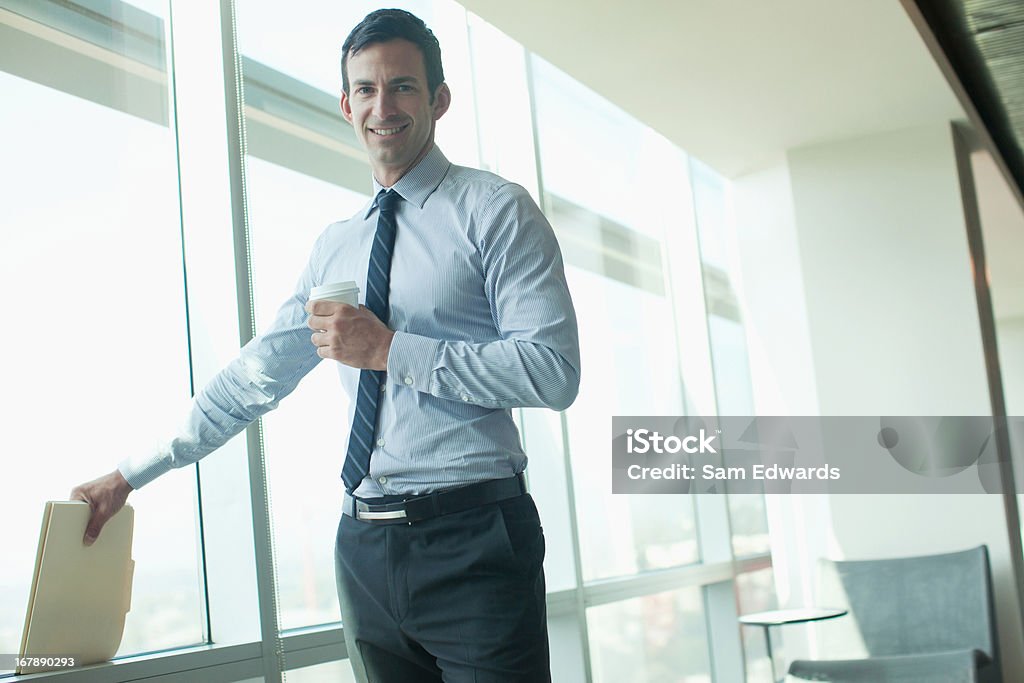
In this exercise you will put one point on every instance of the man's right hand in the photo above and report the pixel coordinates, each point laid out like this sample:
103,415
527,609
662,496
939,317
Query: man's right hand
105,496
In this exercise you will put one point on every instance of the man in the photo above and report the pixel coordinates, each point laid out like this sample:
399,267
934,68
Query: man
439,550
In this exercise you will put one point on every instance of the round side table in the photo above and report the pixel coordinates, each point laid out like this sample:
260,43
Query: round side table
781,617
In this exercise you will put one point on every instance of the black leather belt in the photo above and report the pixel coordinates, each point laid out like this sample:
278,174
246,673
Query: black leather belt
418,508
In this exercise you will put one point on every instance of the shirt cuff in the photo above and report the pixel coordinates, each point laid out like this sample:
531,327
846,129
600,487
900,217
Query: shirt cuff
140,470
411,360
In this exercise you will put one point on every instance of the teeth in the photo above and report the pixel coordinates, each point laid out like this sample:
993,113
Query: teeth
387,131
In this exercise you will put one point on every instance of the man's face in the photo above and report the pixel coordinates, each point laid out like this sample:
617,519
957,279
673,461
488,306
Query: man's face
389,105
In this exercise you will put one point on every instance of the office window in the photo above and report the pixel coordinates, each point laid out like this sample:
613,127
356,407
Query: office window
505,125
749,520
612,240
755,592
97,354
727,336
725,321
303,437
328,672
659,638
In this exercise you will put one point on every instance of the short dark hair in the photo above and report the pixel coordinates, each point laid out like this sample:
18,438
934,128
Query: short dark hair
383,25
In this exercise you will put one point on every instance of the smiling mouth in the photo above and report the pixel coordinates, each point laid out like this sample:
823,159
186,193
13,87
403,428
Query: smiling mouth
385,132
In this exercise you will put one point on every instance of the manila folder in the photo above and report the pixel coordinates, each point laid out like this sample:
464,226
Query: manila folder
80,594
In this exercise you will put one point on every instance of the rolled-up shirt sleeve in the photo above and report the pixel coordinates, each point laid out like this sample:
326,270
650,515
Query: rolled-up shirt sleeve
267,369
536,363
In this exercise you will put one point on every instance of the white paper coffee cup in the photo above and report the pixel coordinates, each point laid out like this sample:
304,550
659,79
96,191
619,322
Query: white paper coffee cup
346,292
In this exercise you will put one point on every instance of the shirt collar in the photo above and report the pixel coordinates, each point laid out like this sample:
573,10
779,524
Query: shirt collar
419,182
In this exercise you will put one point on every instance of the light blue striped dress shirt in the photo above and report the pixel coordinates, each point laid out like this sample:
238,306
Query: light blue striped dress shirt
483,323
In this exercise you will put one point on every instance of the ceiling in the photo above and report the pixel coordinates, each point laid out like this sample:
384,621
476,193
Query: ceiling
738,82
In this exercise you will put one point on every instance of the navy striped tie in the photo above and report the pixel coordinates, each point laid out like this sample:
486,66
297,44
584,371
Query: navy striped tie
378,278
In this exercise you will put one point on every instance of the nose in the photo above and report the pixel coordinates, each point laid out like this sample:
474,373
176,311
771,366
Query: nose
384,105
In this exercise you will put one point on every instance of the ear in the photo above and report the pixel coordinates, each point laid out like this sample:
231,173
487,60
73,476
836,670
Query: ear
346,107
442,100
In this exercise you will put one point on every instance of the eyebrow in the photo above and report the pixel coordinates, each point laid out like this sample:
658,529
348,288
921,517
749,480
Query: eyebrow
399,80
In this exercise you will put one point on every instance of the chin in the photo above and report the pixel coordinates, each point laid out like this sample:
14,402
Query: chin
393,160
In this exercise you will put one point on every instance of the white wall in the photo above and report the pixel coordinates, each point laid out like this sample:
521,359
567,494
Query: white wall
873,229
890,299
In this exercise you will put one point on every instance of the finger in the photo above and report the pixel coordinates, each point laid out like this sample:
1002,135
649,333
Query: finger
95,526
323,307
320,307
323,322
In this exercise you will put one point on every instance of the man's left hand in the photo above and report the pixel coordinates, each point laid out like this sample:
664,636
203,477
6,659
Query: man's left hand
349,335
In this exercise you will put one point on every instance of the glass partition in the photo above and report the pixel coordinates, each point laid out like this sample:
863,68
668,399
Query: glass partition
91,257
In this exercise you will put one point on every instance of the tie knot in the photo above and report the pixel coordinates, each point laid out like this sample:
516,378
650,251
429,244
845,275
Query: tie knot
387,200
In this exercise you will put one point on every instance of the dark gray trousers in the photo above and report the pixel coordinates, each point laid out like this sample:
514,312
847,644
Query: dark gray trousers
457,598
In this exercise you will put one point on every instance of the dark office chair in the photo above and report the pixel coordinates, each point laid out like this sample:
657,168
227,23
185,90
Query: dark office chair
924,619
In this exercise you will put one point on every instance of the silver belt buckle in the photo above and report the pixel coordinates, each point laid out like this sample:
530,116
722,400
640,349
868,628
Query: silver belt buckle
388,514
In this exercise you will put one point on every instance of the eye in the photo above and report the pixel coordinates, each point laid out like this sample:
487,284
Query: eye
404,88
364,90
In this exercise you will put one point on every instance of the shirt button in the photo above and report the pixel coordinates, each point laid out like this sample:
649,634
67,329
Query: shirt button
408,381
380,442
465,397
383,387
383,480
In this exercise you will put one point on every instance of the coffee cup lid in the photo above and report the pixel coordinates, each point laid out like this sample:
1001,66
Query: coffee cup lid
333,289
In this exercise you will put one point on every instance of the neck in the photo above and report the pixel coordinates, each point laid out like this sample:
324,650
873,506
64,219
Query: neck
388,176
